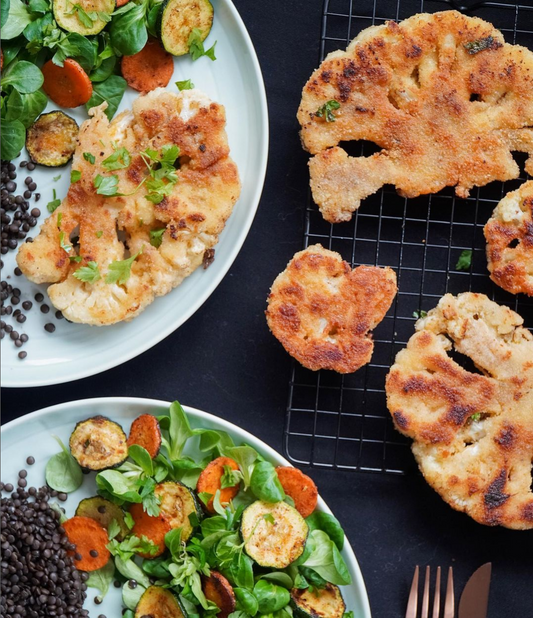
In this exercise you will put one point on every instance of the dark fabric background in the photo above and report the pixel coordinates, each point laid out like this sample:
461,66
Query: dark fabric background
224,361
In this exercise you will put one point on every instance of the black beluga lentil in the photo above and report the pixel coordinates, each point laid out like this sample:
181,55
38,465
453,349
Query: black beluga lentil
38,576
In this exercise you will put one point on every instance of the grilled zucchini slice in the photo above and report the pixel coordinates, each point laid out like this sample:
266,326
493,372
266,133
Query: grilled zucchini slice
159,602
104,512
178,503
51,139
81,16
320,603
273,544
178,18
98,443
218,590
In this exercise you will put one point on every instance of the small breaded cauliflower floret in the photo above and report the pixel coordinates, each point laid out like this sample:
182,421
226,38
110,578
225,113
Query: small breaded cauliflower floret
165,239
509,234
322,311
442,95
472,430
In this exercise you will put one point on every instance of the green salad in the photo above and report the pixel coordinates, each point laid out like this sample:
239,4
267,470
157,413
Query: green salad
226,534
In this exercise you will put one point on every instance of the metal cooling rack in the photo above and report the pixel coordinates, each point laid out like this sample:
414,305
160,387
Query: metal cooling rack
337,421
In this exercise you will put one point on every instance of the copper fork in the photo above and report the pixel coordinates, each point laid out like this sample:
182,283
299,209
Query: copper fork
449,604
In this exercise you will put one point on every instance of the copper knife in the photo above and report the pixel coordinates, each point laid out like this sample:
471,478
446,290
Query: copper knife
474,601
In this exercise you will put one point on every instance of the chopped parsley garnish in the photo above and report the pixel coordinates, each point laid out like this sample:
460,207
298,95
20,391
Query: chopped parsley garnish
186,84
56,178
89,157
465,260
63,244
269,517
106,185
59,217
326,111
55,203
196,46
420,314
75,175
120,271
474,47
89,273
156,237
476,416
119,160
163,175
99,234
88,19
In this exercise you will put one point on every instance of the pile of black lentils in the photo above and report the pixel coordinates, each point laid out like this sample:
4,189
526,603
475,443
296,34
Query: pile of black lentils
38,576
18,217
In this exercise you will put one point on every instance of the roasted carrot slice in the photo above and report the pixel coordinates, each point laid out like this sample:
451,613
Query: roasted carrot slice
150,68
121,3
300,488
90,540
67,86
218,590
211,478
153,528
145,432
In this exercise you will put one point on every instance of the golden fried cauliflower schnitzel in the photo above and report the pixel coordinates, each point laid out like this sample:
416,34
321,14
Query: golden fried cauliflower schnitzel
443,96
322,311
472,430
509,234
150,194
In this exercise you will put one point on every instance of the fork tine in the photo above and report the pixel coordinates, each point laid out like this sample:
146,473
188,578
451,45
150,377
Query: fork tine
449,606
412,603
425,597
436,600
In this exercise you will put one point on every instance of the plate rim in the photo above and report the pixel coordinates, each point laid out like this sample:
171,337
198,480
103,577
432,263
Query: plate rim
12,381
198,414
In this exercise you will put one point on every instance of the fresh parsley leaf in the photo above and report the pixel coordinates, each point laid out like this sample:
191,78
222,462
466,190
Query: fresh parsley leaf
474,47
113,529
84,18
205,497
465,260
89,273
99,234
150,501
55,203
269,517
420,314
106,185
128,519
75,175
196,46
326,110
229,478
89,157
476,416
63,244
120,271
59,217
156,237
75,258
119,160
186,84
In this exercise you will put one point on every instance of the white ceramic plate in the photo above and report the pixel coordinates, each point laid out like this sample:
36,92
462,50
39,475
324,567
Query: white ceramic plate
75,351
32,435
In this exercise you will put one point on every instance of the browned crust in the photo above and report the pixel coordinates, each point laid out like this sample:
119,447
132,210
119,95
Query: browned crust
480,465
322,311
510,242
442,116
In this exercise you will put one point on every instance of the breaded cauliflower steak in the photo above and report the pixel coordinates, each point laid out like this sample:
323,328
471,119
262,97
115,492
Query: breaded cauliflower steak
443,96
509,235
472,432
322,311
192,216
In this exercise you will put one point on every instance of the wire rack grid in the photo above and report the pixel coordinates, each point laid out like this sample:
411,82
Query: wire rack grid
342,422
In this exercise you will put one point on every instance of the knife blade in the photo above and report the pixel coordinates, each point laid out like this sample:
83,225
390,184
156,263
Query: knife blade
474,601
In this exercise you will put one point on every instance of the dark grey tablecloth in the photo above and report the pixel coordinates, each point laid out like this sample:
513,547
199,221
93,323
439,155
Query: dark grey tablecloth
223,360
